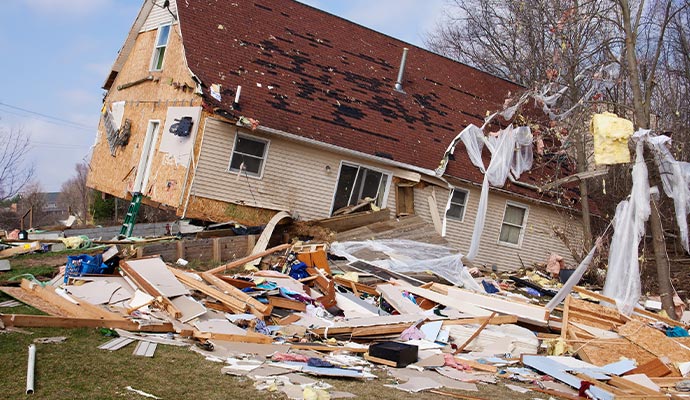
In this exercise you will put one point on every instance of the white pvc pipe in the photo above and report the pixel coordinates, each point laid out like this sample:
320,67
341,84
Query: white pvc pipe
30,369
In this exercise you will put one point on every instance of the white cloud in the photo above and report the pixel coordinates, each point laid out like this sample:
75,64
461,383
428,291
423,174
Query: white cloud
75,8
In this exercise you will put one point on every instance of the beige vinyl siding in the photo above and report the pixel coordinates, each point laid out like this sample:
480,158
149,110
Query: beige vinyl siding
159,16
538,238
295,177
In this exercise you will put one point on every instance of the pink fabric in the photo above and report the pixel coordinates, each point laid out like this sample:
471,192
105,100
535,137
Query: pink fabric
449,361
555,264
289,357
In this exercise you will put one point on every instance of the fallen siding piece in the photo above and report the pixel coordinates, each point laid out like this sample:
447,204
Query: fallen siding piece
115,344
394,296
145,349
526,312
49,321
234,304
266,236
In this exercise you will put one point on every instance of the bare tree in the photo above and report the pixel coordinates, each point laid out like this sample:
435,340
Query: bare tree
14,171
31,205
77,195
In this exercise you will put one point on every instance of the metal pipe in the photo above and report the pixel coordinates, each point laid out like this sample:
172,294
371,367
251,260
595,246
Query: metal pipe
398,82
30,369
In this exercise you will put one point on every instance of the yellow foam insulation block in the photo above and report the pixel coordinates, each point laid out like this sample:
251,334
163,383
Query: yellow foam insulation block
611,135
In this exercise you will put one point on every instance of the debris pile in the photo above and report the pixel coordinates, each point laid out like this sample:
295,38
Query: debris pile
304,314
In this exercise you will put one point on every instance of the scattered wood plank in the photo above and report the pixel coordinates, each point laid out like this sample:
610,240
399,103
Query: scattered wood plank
235,305
325,348
282,302
347,222
355,286
147,287
70,309
244,260
21,249
495,320
49,321
377,360
638,310
250,337
255,307
475,334
654,368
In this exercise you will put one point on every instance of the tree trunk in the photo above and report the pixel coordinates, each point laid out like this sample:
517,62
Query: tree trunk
666,291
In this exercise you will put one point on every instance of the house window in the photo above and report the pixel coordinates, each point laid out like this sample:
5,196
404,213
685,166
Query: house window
513,224
159,49
458,203
356,183
248,155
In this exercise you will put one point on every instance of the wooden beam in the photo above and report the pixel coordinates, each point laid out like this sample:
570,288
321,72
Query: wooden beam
255,307
475,334
49,295
235,305
49,321
250,337
144,285
359,286
496,320
378,360
566,314
323,347
575,177
282,302
244,260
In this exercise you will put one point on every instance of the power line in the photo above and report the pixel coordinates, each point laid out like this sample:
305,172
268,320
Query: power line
49,117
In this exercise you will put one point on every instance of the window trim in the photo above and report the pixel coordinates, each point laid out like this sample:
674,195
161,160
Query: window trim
156,47
264,157
386,190
464,206
523,228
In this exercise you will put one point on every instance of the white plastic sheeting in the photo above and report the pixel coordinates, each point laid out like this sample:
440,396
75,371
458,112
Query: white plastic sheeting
511,152
623,276
675,179
409,256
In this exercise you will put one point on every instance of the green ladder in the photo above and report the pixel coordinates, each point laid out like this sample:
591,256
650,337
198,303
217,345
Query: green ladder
131,216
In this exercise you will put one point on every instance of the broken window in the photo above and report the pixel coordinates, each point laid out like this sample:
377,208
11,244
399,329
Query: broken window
458,203
159,49
513,225
248,155
356,183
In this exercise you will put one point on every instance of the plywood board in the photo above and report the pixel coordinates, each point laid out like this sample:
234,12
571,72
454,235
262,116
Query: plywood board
156,273
654,341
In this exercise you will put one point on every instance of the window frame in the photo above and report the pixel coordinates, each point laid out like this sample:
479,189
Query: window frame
464,206
522,228
264,157
157,47
386,189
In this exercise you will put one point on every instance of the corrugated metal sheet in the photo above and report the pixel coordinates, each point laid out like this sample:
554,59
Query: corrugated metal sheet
145,349
159,16
295,176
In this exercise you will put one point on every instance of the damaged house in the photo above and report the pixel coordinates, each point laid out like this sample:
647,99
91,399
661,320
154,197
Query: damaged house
237,110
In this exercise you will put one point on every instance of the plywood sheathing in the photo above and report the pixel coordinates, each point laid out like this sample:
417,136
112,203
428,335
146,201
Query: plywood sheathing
219,211
147,101
654,341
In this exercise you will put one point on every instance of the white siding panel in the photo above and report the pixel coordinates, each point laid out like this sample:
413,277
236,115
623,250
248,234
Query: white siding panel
538,240
295,177
159,16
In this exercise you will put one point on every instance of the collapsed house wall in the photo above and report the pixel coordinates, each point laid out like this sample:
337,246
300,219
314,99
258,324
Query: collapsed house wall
148,100
538,239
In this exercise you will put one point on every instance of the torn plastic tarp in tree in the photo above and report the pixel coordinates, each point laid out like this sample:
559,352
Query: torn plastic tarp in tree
409,256
623,276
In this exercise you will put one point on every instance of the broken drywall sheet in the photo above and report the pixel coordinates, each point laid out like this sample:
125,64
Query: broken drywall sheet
189,307
100,292
156,273
179,133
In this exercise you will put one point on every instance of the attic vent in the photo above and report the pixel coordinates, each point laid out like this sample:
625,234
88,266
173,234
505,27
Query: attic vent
398,82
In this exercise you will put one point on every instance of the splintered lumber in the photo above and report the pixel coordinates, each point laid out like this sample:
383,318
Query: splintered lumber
477,365
355,286
249,337
654,341
22,249
654,368
495,320
244,260
327,286
638,310
49,321
282,302
147,287
234,304
255,307
475,334
382,361
34,301
81,310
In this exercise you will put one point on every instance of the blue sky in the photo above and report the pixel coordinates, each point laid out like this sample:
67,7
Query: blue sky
56,55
